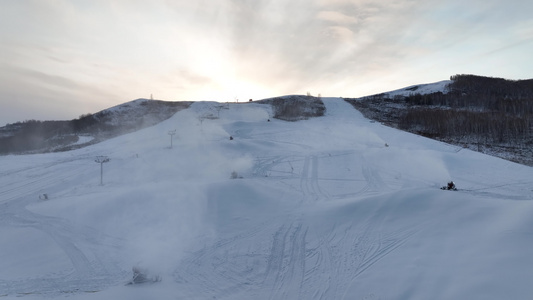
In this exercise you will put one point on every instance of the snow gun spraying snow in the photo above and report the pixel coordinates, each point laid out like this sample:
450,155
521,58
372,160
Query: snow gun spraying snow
450,186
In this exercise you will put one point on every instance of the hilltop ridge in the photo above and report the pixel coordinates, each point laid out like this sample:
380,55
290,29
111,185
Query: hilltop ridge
489,115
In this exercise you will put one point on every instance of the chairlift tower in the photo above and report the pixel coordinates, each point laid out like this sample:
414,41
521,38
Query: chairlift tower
101,159
171,133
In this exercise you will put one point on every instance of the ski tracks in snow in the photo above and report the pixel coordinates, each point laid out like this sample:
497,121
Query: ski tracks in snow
286,263
291,259
309,175
335,261
249,262
309,183
87,250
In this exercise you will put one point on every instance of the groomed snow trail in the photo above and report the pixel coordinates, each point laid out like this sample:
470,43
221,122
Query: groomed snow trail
334,207
293,254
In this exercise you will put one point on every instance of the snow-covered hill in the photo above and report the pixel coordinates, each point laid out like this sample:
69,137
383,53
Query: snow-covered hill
51,136
484,114
423,89
335,207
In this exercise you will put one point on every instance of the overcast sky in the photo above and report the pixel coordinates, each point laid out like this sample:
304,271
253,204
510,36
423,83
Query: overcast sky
63,58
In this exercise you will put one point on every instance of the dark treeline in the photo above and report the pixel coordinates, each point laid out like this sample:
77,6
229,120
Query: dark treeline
32,135
486,127
296,107
475,108
477,92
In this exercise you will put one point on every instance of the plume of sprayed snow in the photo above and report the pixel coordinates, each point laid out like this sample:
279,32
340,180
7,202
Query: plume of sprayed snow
167,207
422,166
158,222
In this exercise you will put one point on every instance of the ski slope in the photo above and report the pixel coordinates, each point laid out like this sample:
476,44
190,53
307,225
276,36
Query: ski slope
335,207
423,89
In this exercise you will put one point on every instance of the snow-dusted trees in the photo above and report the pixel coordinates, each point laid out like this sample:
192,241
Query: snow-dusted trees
294,108
475,108
461,124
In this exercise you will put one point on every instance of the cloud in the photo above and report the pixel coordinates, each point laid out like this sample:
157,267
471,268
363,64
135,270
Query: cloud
337,17
44,79
33,94
341,34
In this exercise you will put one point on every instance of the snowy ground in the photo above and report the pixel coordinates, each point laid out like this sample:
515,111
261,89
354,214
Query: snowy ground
334,207
422,89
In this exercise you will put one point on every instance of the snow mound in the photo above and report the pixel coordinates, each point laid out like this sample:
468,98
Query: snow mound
422,89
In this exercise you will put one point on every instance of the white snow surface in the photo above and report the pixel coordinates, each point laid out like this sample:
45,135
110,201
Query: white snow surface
84,139
423,89
334,207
